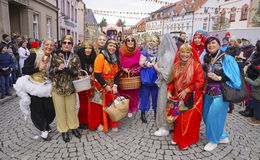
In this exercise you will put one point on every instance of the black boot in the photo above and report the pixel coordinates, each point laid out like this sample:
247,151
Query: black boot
65,137
83,126
76,133
143,118
248,113
154,115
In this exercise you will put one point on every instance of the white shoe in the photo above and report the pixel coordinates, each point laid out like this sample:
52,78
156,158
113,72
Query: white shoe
100,128
130,115
115,129
224,140
174,143
210,146
44,134
161,132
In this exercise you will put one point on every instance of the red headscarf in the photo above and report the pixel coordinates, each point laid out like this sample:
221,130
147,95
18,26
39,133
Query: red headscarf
199,48
183,77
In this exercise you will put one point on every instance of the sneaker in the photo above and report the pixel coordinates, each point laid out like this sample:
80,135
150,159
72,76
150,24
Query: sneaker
130,115
210,146
115,129
100,128
254,122
224,140
174,143
161,132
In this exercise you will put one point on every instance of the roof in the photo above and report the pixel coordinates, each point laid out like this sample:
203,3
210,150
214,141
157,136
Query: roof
185,6
90,17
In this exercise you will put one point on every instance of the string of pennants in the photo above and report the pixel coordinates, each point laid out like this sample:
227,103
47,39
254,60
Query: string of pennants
119,16
159,13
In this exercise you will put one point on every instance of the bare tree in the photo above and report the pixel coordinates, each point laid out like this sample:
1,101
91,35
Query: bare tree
221,23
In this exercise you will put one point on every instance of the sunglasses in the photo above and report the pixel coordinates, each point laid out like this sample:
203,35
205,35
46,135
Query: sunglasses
67,43
130,40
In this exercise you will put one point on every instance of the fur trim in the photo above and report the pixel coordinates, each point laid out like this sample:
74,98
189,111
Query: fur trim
24,86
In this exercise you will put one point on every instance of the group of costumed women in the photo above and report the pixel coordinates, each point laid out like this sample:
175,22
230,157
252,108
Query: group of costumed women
181,74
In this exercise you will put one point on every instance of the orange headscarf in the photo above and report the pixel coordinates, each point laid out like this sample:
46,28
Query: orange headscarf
125,50
183,77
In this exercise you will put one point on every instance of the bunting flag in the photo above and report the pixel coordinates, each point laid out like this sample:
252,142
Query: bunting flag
118,16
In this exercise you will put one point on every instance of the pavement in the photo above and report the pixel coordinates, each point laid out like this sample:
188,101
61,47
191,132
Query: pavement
133,141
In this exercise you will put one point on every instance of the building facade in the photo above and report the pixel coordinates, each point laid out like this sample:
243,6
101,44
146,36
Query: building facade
68,19
91,25
32,19
237,12
81,20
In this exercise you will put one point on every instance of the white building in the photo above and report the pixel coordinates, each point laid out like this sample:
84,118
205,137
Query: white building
186,15
237,11
67,19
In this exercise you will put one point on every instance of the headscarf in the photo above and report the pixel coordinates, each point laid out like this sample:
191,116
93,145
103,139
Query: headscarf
199,48
183,77
111,58
127,51
84,59
166,55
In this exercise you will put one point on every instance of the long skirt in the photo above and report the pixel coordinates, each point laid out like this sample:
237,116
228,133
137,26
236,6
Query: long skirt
84,108
214,117
133,96
187,126
99,116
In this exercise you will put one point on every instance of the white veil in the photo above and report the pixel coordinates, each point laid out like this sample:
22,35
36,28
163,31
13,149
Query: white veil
165,58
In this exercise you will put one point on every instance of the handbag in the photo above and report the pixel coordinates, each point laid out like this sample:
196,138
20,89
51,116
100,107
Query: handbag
148,75
174,108
97,96
234,95
118,109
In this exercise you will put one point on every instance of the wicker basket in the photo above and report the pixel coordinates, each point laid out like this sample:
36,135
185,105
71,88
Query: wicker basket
127,83
83,83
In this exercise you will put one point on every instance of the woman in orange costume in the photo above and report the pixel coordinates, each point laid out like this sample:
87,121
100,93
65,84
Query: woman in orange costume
188,80
107,73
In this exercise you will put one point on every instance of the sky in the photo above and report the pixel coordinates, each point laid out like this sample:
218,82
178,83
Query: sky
123,5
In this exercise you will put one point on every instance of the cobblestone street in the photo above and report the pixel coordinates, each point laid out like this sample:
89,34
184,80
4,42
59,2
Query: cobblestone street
134,140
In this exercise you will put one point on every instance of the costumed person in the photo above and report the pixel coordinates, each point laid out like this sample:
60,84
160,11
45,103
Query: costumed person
64,69
100,43
129,59
6,65
186,89
221,68
148,77
35,87
254,103
87,57
23,54
107,73
165,57
198,42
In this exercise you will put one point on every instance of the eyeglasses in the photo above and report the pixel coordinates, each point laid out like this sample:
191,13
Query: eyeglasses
67,43
130,40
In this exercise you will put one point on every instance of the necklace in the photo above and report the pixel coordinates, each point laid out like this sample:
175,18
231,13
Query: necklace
66,60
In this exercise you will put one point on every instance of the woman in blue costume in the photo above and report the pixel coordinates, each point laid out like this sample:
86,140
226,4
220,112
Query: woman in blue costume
148,77
220,68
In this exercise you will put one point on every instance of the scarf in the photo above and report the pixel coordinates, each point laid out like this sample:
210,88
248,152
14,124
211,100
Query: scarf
127,51
111,58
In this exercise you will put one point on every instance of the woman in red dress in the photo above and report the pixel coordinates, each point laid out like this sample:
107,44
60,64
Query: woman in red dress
188,80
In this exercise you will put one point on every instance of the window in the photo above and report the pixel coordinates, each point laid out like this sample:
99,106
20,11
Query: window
205,20
63,6
35,26
232,15
68,9
72,13
62,32
68,32
188,26
76,37
76,15
244,12
48,28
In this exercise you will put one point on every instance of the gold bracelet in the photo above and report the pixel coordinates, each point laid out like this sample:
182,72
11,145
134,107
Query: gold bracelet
187,90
